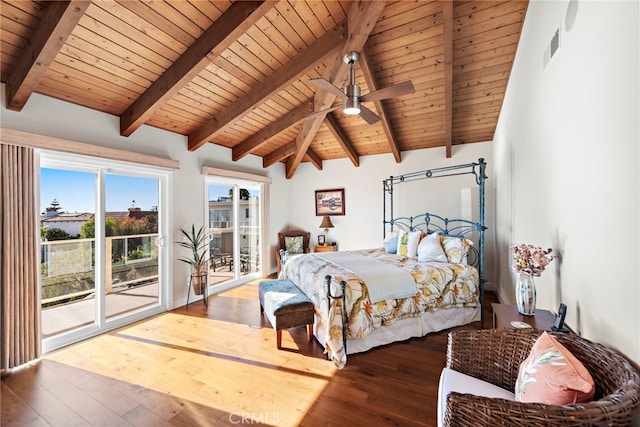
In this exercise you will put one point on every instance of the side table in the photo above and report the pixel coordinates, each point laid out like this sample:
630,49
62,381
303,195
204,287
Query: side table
504,314
325,248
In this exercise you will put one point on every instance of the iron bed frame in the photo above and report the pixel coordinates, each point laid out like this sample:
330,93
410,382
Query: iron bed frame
451,227
425,222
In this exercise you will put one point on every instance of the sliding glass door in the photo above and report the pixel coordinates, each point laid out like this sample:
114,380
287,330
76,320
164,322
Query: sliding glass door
102,252
234,216
67,249
130,244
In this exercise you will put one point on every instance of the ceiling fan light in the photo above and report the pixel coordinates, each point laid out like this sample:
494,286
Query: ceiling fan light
351,107
351,111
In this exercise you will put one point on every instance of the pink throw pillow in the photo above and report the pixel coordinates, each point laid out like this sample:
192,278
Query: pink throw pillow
553,376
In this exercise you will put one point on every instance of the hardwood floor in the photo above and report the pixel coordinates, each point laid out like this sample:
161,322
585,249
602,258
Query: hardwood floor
221,367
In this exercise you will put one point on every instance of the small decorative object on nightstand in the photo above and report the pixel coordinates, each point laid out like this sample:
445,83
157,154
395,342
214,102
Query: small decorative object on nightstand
507,317
326,248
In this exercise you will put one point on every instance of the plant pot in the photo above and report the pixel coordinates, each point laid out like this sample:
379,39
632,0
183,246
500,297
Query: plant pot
199,283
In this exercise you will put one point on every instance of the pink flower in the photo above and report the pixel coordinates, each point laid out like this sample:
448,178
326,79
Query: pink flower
530,259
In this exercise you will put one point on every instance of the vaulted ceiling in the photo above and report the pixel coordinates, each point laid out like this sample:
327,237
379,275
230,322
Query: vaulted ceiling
237,74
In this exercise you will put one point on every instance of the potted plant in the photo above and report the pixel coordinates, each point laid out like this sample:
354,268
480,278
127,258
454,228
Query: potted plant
198,245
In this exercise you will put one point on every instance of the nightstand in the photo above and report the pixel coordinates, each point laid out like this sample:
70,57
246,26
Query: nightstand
325,248
504,314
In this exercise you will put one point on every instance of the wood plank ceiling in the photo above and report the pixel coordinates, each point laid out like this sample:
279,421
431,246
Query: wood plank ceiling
237,74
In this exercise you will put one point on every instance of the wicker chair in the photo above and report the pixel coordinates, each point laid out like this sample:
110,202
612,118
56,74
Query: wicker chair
494,355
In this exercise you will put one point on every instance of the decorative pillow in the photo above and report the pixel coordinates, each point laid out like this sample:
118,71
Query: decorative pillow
456,248
391,243
284,256
553,376
430,250
408,243
294,244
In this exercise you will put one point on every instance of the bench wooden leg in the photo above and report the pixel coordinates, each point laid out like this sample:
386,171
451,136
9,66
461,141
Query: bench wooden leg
279,339
310,331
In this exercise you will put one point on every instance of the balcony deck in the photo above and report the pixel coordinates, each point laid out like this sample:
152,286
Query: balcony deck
65,317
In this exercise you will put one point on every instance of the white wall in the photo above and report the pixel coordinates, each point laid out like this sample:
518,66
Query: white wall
50,117
566,158
361,226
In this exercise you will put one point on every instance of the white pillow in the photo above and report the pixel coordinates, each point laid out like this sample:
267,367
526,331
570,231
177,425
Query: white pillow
451,380
408,243
456,248
430,250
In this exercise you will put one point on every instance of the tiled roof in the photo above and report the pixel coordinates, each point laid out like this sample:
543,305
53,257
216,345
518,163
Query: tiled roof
68,217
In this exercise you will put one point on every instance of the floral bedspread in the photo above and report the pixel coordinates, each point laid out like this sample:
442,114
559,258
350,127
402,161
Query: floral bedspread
439,286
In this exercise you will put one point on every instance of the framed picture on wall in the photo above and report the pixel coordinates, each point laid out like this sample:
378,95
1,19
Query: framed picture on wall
330,202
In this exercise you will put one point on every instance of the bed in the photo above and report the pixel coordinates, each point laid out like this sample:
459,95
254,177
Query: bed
426,276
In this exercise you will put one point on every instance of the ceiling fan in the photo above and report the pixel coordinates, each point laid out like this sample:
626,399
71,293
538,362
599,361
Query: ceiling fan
350,95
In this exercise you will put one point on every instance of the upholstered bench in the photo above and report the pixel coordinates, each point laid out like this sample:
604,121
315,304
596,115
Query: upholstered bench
286,307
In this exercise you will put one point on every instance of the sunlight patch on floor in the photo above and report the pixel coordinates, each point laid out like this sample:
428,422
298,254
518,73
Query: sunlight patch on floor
200,361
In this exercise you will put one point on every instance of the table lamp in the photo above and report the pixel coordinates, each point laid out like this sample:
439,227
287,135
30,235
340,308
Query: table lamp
326,224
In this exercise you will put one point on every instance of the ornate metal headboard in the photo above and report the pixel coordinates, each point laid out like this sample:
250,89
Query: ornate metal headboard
429,222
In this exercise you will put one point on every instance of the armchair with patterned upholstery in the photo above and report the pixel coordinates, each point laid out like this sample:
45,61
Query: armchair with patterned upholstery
293,241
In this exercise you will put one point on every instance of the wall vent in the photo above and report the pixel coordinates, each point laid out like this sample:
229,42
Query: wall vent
551,48
555,42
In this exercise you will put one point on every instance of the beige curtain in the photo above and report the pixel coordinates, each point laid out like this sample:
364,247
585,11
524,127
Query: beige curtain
19,232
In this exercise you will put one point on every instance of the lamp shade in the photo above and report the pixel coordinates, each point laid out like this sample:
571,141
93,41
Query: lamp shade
326,222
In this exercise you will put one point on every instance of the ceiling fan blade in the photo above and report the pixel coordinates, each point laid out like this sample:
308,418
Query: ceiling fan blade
393,91
325,111
368,115
326,85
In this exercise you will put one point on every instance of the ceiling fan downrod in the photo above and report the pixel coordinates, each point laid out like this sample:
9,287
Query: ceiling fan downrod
351,104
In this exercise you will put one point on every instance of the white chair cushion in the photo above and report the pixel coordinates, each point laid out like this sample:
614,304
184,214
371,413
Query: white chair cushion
451,380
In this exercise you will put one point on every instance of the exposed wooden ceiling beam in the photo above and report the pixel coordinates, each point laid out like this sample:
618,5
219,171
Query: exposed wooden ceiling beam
51,33
372,83
342,138
314,158
286,151
262,136
362,18
447,17
282,77
279,154
234,22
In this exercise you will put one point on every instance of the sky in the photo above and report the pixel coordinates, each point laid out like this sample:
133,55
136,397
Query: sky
75,191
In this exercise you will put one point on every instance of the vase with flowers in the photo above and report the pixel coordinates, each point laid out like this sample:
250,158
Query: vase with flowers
528,261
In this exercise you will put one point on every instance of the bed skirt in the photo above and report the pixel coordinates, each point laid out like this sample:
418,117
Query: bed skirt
410,328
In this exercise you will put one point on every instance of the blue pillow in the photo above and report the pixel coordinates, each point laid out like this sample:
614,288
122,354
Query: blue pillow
284,256
391,243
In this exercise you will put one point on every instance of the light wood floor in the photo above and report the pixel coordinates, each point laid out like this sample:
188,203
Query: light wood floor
221,367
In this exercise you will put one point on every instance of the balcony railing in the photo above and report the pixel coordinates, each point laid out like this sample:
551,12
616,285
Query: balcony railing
68,266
